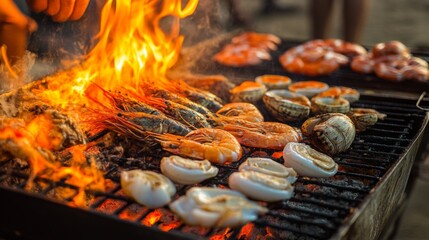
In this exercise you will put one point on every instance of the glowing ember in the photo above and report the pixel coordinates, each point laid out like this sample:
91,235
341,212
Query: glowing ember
152,218
246,230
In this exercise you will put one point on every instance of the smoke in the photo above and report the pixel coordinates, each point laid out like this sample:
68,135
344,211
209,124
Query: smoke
204,24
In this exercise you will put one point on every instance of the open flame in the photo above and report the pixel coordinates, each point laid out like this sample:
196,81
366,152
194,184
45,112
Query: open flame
139,40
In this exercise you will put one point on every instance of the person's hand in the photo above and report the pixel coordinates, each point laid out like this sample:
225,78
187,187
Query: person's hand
10,14
60,10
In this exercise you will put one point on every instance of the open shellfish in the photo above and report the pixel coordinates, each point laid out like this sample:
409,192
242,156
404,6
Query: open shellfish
321,105
248,91
286,106
274,81
330,133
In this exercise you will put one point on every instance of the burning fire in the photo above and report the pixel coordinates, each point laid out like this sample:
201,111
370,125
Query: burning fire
134,50
138,42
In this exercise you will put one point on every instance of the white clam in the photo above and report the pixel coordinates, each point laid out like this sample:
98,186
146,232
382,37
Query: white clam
215,207
261,186
147,188
187,171
308,162
269,167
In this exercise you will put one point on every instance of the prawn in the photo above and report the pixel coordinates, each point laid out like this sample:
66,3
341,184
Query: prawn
271,135
311,62
137,124
259,40
215,145
236,55
240,111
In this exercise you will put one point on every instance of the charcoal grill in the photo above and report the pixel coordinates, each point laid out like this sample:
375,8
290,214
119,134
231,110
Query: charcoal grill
355,204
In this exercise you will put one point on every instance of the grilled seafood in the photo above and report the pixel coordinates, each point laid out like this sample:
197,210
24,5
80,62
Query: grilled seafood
312,61
274,81
237,55
308,162
271,135
400,69
240,111
215,145
215,207
137,124
286,106
248,91
261,186
330,133
320,105
247,49
390,48
363,64
308,88
219,85
187,171
364,117
269,167
346,48
349,94
182,114
259,40
147,188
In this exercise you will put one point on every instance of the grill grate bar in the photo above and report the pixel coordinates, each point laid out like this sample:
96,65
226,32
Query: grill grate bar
393,147
360,165
375,152
311,212
380,138
320,203
293,218
318,182
360,175
264,223
393,125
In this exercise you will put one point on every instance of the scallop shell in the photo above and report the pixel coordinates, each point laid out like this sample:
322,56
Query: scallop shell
286,106
364,117
248,91
274,81
320,105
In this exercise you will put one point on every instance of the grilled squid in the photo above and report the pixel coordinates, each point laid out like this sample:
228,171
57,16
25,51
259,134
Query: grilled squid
148,188
261,186
269,167
308,162
187,171
215,207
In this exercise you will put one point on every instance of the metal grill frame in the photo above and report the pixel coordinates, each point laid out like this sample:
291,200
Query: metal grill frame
92,223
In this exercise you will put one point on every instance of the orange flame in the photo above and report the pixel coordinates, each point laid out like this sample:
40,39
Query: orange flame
32,144
152,218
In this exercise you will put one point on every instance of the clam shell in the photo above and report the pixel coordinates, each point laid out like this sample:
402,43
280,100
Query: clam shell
308,88
274,81
286,106
330,133
248,91
364,117
320,105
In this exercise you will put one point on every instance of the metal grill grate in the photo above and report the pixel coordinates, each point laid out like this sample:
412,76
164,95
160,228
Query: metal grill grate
320,205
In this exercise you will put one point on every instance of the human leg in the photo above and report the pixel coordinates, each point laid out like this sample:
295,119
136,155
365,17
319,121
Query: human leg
354,14
320,15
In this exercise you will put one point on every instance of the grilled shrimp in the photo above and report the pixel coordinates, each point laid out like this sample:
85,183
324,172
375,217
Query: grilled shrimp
260,40
121,101
241,111
164,94
204,98
136,125
271,135
182,114
215,145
